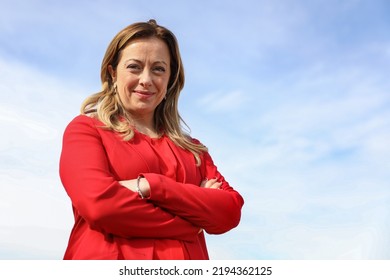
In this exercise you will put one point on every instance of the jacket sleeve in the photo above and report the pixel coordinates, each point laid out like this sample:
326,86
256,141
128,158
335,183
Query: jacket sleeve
214,210
105,204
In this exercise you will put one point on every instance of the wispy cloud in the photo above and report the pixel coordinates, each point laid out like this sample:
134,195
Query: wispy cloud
312,158
33,114
223,101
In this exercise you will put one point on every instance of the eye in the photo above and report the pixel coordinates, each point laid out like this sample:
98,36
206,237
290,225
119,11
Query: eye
133,67
159,69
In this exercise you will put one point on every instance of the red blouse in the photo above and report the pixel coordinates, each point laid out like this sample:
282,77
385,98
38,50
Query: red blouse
112,222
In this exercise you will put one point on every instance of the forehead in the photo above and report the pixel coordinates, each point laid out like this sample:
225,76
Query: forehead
146,48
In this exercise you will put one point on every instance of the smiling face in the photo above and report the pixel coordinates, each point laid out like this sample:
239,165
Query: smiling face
142,76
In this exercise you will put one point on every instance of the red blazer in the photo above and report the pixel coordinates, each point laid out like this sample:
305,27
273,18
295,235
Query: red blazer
112,222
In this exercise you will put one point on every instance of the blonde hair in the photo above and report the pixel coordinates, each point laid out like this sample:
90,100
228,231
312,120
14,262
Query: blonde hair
107,106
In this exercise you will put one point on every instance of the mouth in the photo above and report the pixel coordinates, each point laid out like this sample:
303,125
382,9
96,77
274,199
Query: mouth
143,93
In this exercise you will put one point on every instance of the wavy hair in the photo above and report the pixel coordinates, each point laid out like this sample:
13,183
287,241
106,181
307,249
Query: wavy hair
108,108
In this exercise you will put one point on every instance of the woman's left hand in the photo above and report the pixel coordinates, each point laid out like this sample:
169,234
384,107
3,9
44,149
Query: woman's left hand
211,184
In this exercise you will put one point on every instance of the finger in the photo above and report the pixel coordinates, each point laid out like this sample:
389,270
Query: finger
203,183
216,185
210,183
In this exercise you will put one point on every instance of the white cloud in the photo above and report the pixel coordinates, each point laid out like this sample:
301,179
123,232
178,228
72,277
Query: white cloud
223,101
33,115
312,161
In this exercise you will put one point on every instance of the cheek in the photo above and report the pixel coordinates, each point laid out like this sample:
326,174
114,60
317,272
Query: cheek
125,87
162,84
130,81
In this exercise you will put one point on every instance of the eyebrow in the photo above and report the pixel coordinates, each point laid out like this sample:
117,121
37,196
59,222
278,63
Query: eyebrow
139,61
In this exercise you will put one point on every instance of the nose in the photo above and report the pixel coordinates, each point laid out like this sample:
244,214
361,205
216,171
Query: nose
145,79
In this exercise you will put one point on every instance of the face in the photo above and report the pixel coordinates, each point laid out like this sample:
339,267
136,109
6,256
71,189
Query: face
142,76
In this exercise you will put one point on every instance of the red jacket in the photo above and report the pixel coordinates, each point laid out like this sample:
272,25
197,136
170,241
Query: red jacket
112,222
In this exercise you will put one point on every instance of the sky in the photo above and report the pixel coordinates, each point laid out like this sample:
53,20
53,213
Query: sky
292,99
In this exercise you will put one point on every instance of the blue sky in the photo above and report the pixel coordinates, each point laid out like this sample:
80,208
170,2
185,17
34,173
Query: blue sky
291,97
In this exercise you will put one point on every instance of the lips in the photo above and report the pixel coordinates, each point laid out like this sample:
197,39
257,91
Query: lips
143,94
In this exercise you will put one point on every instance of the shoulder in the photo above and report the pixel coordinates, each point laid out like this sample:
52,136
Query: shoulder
85,120
198,143
200,148
192,140
83,123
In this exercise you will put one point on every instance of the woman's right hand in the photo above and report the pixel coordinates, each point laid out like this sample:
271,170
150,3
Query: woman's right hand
132,185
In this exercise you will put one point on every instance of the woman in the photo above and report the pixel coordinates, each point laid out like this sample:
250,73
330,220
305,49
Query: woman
138,184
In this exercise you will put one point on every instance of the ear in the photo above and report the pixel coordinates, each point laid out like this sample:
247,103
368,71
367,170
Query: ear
112,73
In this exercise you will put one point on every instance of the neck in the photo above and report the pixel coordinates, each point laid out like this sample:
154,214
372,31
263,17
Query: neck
145,126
